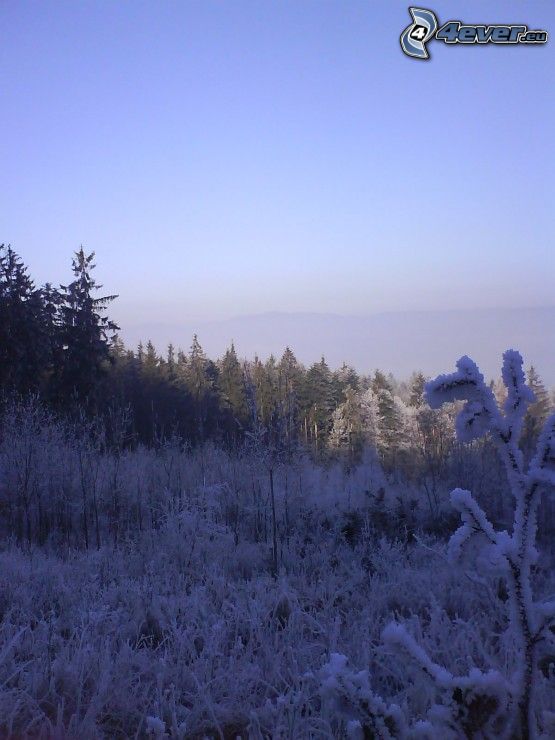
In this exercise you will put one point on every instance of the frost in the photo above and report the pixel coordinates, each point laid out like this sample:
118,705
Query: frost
349,694
542,467
155,726
464,385
395,634
519,395
514,553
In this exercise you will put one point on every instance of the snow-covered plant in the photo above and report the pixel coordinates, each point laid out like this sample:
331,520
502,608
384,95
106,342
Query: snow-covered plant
482,702
349,695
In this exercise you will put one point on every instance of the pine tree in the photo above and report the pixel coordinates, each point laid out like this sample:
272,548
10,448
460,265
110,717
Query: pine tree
319,397
170,362
353,423
232,387
343,379
52,302
25,351
197,370
537,412
151,361
290,377
85,332
416,391
389,419
264,380
200,383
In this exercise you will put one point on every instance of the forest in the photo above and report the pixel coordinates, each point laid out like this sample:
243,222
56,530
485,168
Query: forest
223,548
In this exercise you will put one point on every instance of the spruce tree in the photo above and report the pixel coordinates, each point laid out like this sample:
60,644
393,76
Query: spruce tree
389,421
264,380
86,333
232,387
349,430
344,379
25,351
200,383
151,360
319,397
290,377
536,414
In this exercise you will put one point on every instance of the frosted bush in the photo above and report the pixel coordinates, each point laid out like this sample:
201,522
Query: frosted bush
496,703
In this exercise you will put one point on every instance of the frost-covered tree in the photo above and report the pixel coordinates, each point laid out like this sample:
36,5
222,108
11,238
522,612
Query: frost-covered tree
343,379
355,422
390,419
431,440
536,414
506,700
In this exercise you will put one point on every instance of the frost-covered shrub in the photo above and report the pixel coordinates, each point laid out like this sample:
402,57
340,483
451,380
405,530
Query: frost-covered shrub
498,703
349,694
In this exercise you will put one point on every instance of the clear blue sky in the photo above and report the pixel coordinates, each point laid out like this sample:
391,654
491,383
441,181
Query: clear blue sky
241,156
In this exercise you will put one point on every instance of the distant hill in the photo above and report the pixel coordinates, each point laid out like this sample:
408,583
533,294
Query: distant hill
430,341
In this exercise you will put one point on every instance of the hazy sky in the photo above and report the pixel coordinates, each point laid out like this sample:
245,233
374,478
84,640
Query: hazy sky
235,157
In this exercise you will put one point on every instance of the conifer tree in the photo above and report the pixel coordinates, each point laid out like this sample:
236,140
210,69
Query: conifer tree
264,381
86,333
170,362
232,387
151,360
416,391
351,428
537,412
389,421
200,382
52,302
290,376
25,354
343,379
319,397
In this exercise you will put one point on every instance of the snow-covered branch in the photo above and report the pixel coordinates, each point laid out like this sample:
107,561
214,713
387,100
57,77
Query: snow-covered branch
351,697
513,694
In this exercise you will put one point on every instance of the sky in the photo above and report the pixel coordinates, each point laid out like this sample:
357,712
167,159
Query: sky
237,157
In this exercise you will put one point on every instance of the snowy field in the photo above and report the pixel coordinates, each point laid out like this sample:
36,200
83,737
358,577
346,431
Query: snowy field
226,595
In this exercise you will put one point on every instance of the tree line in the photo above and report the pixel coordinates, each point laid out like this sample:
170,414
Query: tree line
60,344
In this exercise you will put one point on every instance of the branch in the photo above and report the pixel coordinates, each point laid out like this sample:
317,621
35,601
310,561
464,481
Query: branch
480,413
519,395
395,634
542,467
351,696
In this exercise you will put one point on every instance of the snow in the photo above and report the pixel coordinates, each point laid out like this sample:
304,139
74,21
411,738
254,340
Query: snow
182,627
542,467
396,635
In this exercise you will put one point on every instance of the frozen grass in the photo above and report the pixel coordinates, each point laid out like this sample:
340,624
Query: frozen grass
177,625
186,631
